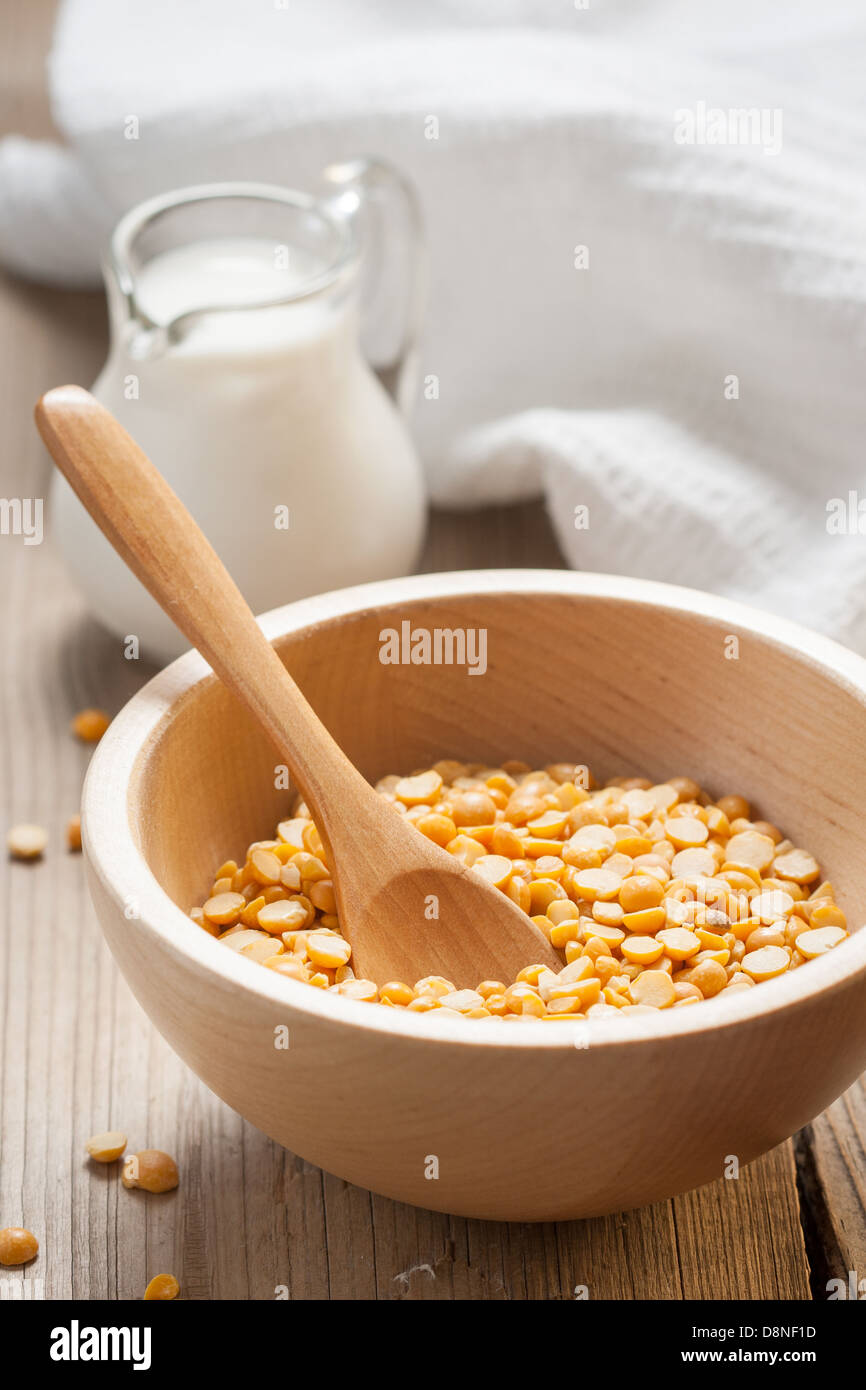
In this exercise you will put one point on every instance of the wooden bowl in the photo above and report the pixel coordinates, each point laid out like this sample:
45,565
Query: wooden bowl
489,1119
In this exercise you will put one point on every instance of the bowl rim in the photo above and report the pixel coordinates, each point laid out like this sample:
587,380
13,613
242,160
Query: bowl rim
115,860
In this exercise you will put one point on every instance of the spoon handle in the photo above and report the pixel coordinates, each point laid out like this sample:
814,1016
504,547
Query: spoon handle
152,530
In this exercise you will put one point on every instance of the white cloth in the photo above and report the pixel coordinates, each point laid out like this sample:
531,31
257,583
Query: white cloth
697,386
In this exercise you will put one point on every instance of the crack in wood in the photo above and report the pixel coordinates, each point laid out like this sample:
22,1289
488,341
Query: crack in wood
826,1260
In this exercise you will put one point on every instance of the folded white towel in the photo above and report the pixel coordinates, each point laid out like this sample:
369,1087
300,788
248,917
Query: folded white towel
648,236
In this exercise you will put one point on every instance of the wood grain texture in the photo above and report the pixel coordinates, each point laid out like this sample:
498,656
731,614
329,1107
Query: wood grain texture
77,1054
832,1158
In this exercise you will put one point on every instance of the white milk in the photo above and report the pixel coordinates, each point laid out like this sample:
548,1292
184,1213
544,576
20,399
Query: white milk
230,271
247,413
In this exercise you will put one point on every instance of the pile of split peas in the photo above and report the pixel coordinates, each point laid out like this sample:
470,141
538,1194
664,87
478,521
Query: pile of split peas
657,896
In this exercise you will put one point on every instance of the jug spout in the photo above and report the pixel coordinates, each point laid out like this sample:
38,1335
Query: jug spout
219,249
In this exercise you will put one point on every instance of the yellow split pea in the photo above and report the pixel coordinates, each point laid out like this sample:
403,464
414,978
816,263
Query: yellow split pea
150,1169
90,724
17,1246
106,1148
27,841
162,1287
656,895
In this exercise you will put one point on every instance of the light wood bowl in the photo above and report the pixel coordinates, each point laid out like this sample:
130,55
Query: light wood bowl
623,675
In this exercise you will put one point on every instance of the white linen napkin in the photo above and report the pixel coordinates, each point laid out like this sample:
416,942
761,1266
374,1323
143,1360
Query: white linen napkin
647,225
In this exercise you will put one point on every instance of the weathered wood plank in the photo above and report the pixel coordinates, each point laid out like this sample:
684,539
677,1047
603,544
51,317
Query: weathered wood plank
833,1171
742,1238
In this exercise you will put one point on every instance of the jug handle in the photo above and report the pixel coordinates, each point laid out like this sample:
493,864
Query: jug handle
369,189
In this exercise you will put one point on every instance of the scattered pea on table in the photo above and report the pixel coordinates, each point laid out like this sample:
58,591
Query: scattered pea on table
90,724
27,841
150,1169
17,1246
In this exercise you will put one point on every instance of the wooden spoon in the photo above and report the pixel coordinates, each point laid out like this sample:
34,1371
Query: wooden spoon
408,907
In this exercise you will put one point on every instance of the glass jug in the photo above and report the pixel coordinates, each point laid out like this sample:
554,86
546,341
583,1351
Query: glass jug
235,362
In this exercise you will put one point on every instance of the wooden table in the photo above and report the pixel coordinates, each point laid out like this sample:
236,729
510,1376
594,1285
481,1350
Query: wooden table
78,1055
